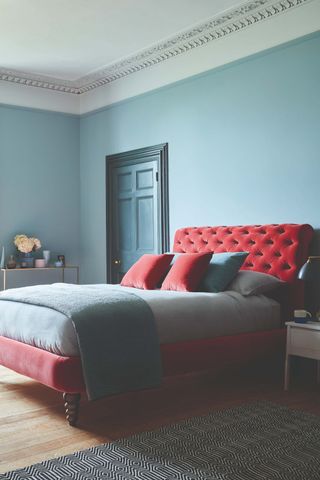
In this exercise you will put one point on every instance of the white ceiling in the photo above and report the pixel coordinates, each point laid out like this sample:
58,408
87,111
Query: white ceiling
68,39
77,56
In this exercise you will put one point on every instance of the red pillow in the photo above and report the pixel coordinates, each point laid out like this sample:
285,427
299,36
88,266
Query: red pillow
147,272
187,271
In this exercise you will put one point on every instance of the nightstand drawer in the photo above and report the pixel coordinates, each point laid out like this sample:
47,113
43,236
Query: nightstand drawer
304,343
303,340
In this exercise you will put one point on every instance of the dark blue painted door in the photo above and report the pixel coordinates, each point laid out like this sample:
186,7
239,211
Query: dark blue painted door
135,214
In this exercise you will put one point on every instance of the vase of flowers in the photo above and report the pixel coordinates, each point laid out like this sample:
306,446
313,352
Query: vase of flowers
26,246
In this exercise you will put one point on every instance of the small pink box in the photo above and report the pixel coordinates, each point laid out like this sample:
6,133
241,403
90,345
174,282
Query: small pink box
40,263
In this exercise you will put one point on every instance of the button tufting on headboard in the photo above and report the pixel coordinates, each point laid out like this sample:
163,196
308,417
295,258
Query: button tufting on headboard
276,249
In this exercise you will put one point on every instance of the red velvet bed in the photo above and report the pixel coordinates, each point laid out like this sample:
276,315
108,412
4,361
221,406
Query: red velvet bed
279,250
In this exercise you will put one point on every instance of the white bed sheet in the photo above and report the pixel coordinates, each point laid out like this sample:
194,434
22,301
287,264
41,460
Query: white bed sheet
179,316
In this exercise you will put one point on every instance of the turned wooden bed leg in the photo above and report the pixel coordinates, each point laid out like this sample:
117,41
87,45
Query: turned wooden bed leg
71,405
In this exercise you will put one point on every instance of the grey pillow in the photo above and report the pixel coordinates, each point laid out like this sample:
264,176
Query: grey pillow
248,282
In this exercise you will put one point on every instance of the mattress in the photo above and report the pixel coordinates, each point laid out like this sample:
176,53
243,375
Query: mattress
179,316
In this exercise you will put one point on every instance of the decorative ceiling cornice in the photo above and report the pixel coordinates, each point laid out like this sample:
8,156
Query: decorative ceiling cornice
218,27
40,81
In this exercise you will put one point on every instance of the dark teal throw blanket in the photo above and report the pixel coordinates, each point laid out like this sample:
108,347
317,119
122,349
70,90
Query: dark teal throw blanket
116,332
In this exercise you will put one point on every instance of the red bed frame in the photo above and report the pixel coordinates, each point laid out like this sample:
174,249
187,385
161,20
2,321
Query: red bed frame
279,250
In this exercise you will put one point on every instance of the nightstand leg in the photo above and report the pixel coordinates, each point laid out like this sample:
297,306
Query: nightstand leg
287,372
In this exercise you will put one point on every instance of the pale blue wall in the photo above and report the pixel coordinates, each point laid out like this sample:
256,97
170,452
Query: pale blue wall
244,146
39,178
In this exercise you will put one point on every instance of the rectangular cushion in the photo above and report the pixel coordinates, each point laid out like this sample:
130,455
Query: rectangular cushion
148,271
187,271
222,269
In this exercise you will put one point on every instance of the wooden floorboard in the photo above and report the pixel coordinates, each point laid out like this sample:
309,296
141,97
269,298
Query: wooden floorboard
33,426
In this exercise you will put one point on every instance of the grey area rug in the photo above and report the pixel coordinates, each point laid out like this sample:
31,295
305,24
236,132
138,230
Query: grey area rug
256,441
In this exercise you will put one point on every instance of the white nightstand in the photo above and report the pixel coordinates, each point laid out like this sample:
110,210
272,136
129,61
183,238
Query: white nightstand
303,340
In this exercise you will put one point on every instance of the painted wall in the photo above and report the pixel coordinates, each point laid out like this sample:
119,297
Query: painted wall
39,179
244,146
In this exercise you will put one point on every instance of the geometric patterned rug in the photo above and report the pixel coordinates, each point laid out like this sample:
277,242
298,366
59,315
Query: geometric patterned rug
258,441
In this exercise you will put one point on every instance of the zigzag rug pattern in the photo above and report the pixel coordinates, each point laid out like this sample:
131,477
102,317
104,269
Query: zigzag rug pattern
259,441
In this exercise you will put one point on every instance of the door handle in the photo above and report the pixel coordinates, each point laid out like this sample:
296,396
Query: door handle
117,262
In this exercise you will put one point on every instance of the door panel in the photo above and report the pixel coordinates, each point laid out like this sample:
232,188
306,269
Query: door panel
144,179
125,182
124,221
145,220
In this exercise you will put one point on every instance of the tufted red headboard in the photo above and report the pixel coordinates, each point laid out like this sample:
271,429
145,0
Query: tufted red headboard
279,250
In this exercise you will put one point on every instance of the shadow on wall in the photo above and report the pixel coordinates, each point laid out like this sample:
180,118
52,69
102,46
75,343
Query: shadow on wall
312,290
315,244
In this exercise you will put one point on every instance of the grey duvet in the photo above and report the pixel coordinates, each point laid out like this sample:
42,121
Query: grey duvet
179,316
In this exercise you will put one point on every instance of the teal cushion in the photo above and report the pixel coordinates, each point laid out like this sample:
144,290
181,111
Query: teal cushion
221,271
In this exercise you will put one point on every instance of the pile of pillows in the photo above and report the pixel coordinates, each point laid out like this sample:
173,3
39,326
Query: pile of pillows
204,272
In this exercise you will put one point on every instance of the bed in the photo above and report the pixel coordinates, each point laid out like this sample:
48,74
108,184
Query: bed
279,250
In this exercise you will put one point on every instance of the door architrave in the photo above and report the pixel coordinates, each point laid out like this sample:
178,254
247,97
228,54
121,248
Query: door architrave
133,157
